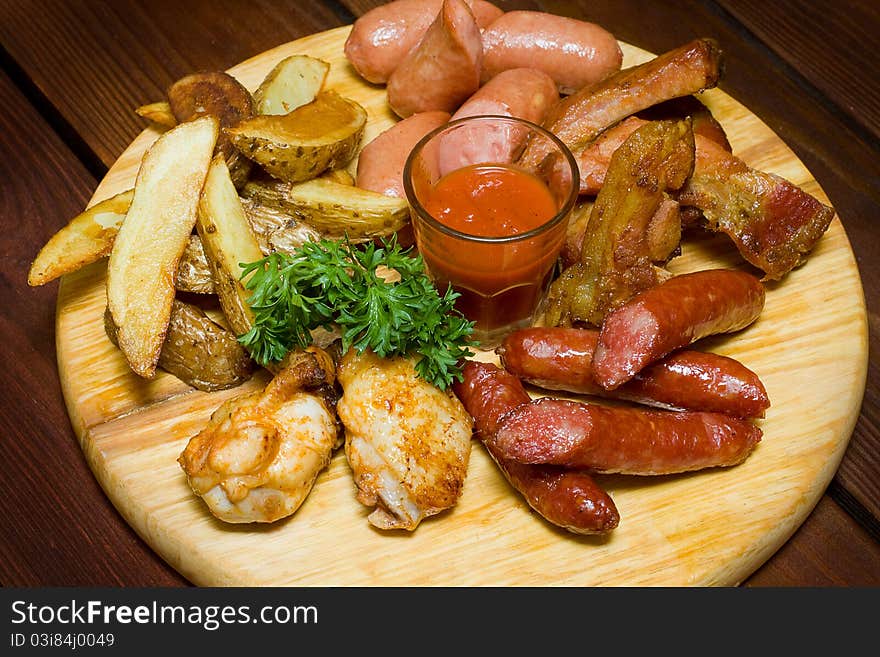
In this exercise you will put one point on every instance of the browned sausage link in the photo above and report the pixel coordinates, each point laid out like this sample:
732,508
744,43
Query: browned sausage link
557,358
566,498
623,440
672,315
579,118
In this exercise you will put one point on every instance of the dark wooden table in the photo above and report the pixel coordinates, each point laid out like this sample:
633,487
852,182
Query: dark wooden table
73,70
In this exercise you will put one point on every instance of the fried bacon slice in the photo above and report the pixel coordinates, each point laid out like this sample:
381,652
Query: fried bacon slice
617,258
772,222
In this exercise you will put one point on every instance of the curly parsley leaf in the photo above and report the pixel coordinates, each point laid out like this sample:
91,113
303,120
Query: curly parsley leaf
378,296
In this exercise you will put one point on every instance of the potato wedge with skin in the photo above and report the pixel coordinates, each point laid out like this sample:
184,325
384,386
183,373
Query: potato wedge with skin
159,113
274,229
193,271
217,94
229,241
197,350
337,210
293,82
321,135
145,255
88,237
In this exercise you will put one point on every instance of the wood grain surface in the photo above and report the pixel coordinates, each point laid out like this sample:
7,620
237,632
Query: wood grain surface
705,528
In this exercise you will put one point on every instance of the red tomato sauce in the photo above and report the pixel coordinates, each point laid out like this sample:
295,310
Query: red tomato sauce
491,201
500,283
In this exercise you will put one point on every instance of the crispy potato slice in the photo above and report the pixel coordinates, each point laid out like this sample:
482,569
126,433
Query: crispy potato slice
193,271
332,208
86,238
341,176
217,94
321,135
145,255
337,209
159,113
229,241
293,82
197,350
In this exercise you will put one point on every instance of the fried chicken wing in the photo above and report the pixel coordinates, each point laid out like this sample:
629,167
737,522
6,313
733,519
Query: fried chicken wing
408,443
259,455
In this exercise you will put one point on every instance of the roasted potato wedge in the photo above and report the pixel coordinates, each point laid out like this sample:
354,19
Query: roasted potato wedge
229,241
321,135
193,271
86,238
274,229
337,210
341,176
293,82
145,255
198,351
159,113
217,94
333,209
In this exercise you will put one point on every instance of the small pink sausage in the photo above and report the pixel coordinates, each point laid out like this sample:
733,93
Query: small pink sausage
524,93
380,39
574,53
380,164
443,71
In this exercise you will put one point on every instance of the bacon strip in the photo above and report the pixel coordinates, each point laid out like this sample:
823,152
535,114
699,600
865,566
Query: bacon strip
773,223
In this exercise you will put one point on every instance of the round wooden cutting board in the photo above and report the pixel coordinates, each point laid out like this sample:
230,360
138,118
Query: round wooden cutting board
714,527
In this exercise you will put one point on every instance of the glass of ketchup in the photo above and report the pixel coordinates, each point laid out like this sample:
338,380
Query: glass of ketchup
489,198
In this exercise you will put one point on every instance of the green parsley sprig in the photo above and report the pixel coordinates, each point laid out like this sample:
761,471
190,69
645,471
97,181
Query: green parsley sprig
327,283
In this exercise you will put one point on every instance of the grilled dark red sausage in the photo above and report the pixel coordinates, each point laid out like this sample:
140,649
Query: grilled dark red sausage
557,358
624,440
672,315
567,498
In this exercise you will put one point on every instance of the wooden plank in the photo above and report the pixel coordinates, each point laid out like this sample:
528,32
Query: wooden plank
708,528
59,527
798,33
845,552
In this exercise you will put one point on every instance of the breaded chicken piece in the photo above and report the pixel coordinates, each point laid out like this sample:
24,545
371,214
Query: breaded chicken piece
408,443
259,455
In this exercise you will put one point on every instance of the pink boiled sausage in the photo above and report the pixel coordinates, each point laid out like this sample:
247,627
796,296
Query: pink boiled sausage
443,70
574,53
380,164
381,38
524,93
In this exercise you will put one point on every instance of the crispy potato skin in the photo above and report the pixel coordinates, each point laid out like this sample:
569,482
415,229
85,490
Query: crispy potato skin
321,135
218,94
193,272
197,350
140,279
